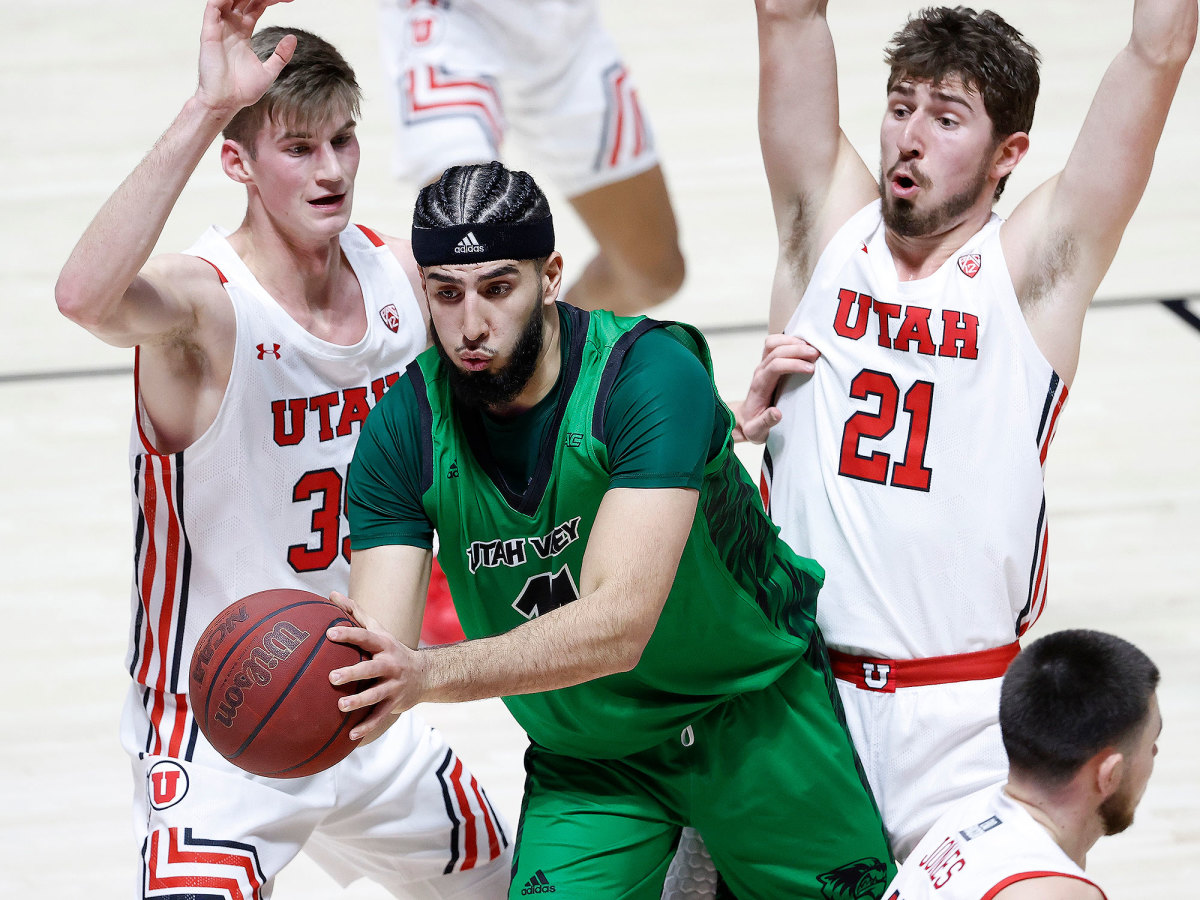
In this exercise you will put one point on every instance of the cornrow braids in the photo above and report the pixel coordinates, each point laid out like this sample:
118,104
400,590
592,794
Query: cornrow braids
482,194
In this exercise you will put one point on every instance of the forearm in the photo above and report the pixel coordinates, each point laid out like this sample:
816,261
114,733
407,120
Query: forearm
592,637
122,236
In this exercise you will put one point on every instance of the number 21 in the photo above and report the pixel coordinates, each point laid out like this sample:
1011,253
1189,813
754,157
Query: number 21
910,472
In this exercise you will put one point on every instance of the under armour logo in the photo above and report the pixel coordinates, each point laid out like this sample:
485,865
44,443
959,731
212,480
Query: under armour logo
469,244
264,349
875,675
970,264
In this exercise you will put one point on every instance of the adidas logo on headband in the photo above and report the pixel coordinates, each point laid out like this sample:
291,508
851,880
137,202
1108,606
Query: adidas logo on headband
476,242
469,244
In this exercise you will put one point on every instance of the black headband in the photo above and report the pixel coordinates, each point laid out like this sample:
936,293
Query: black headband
455,245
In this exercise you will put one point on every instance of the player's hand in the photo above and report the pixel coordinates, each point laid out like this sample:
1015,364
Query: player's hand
395,672
231,74
783,355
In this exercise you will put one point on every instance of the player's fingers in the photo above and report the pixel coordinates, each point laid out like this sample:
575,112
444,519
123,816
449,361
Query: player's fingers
280,58
758,427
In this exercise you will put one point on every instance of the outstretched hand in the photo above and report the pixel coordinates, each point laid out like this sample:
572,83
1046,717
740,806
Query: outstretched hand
783,355
394,673
231,74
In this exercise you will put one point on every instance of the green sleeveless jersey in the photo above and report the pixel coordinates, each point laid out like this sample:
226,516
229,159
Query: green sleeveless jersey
741,610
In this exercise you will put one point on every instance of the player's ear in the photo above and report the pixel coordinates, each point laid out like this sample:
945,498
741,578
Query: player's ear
1110,769
235,161
552,273
1008,153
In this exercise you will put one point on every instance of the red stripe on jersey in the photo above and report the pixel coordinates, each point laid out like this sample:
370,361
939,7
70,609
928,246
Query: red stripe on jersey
1038,598
220,274
493,840
149,502
166,612
464,806
1049,436
1026,876
371,235
764,491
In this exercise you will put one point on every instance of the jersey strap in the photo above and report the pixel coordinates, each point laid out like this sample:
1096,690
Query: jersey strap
886,675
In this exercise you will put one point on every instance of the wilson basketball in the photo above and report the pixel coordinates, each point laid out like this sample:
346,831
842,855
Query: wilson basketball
260,686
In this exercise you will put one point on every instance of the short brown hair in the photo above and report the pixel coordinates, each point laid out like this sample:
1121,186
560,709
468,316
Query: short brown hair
982,50
316,85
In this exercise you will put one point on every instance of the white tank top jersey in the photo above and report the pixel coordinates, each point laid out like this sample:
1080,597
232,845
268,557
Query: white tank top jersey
910,463
257,501
983,844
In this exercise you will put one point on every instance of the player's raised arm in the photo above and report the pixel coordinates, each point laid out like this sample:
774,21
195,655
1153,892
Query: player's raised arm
103,286
1061,240
816,179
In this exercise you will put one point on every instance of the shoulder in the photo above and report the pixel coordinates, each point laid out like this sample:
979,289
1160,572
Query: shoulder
1050,887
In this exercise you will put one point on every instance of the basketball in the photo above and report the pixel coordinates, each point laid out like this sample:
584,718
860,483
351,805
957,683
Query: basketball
260,689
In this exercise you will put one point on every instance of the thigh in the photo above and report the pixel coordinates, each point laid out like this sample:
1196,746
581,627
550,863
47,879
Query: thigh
408,814
793,817
943,744
592,828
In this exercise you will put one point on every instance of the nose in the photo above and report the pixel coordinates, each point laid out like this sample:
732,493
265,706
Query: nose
474,323
911,140
329,167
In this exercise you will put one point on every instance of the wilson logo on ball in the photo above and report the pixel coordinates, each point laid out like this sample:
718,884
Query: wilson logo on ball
260,688
277,645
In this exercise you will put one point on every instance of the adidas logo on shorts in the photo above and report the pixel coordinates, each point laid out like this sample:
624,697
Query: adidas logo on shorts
538,884
469,244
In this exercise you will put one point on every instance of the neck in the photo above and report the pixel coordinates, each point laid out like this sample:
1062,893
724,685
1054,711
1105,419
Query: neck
1069,820
312,281
919,256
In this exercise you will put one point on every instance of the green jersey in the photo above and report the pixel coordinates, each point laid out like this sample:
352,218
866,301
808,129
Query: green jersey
742,606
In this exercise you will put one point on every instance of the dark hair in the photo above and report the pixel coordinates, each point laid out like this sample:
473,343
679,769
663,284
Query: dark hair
482,194
315,85
1069,695
983,51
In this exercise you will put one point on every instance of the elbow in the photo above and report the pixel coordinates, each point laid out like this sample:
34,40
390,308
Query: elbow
73,301
628,648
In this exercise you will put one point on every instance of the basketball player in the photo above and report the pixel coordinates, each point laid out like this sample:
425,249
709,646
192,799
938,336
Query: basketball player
1080,721
463,73
258,355
941,342
618,582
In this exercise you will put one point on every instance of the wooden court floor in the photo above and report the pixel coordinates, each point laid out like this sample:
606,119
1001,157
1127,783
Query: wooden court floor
87,85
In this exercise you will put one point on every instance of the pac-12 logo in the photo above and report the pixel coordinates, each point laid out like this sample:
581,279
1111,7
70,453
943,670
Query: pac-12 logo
970,264
166,783
390,316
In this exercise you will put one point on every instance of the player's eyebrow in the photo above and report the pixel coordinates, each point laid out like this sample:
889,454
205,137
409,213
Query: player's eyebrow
297,134
446,278
960,98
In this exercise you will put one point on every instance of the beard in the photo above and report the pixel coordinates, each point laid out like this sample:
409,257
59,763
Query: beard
1117,812
479,390
902,217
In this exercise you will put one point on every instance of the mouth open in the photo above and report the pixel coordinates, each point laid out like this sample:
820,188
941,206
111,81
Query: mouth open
328,201
904,186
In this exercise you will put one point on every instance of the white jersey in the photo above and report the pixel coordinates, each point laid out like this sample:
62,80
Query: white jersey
257,501
910,464
983,844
